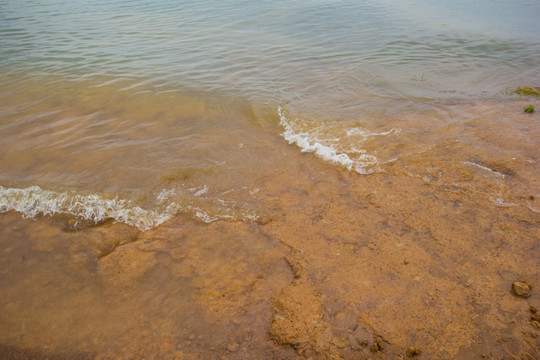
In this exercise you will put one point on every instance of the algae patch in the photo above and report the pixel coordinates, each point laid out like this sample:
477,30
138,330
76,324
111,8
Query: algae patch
526,91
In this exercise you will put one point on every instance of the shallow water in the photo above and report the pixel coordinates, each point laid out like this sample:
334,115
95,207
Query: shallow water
121,98
174,168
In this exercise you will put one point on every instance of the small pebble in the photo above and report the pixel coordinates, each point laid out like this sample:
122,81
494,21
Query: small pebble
377,345
364,343
413,351
232,347
521,288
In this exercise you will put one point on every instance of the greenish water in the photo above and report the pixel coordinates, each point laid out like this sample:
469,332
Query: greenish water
278,50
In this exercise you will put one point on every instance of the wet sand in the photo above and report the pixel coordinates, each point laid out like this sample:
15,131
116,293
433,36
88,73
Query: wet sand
414,261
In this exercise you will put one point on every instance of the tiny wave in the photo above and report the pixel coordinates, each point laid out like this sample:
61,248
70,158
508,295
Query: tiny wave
532,209
501,203
332,149
34,201
489,170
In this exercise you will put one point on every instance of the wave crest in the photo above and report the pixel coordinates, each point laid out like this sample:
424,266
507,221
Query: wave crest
332,149
34,201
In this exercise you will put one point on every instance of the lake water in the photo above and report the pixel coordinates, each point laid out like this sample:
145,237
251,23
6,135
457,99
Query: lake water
155,103
153,113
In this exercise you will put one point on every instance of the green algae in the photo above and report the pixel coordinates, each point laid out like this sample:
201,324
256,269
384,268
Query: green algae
526,91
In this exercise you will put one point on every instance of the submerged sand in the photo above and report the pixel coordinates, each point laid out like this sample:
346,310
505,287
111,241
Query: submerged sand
415,261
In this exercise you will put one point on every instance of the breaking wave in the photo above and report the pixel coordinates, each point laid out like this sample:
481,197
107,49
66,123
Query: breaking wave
332,149
34,201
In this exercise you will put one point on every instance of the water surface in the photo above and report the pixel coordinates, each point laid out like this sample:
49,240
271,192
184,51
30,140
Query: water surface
184,127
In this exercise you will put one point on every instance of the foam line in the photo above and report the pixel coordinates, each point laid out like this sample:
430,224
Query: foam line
34,201
362,163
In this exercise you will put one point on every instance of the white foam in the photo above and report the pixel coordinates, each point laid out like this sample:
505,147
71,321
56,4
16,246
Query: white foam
366,134
165,195
207,218
201,191
308,142
493,172
34,201
500,202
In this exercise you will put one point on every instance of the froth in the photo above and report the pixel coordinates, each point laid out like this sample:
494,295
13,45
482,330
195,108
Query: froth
333,149
34,201
491,171
501,203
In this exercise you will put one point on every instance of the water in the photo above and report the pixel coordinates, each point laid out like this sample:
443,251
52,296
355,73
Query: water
117,97
231,114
